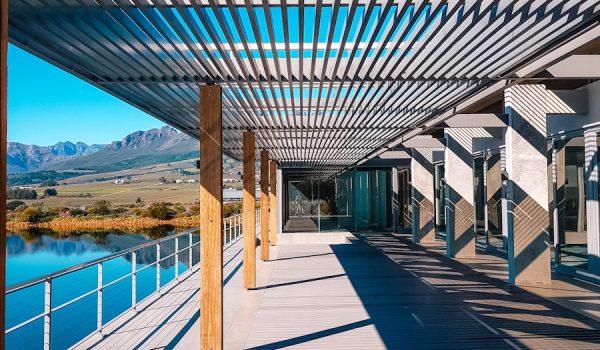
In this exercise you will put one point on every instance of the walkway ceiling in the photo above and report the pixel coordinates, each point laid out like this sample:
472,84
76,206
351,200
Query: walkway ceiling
323,84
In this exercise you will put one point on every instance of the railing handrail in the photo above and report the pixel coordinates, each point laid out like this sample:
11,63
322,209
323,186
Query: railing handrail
87,264
232,231
39,279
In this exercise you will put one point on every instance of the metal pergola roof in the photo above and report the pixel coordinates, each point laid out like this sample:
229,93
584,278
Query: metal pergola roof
322,83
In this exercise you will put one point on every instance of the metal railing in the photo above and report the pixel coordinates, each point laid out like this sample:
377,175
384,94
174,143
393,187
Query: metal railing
232,230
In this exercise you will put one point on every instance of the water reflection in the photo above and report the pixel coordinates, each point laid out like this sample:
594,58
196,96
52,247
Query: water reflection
35,253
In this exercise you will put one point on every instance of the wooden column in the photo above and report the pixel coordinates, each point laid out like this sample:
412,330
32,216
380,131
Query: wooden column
248,215
264,205
273,199
3,135
211,218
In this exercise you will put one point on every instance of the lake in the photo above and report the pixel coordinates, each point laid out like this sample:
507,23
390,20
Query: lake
35,253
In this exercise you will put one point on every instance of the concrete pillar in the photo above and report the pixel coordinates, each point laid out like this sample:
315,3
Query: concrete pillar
421,167
460,213
527,187
593,209
395,199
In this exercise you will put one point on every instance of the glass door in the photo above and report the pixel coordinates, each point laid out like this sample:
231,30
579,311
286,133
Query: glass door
405,199
440,199
572,220
479,199
494,200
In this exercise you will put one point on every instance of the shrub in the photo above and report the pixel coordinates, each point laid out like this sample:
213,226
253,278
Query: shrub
49,192
101,207
160,210
77,211
233,208
13,205
21,193
31,214
194,210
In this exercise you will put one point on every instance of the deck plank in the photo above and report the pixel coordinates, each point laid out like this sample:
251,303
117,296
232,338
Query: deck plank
379,291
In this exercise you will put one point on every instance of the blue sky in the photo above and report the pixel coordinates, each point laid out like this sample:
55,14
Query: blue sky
47,105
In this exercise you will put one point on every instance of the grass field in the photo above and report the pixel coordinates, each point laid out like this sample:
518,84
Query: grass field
144,184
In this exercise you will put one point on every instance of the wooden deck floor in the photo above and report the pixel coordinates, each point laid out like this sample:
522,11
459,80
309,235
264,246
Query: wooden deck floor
379,291
161,322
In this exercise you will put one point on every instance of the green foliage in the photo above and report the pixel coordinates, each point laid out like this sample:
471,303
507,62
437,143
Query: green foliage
39,177
49,192
13,205
21,193
160,210
31,214
77,212
194,210
51,182
102,207
232,208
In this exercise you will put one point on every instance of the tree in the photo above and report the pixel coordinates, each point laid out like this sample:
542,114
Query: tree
21,193
160,211
49,192
13,205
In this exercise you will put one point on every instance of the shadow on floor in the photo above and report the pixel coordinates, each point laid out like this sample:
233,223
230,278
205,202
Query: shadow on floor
421,299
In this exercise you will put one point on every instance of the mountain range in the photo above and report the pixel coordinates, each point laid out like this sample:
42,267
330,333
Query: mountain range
138,149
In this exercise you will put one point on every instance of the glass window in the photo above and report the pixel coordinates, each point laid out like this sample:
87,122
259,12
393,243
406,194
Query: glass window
440,214
494,200
479,200
570,167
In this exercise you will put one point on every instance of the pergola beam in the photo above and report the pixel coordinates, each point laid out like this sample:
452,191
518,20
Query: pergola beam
211,218
264,205
3,159
249,211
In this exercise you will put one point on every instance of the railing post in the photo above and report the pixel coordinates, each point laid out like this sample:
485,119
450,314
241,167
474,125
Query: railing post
191,261
176,257
133,280
99,311
158,268
47,312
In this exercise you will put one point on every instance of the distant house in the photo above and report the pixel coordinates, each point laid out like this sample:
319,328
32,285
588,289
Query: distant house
120,181
179,181
230,178
191,181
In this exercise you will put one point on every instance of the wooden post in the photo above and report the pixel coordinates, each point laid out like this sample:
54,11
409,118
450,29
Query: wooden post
264,205
3,135
211,218
249,212
273,204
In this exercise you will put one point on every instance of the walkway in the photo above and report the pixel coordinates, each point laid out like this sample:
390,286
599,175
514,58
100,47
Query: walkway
161,322
379,291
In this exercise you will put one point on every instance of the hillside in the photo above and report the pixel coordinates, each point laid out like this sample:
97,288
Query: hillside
26,158
27,163
136,150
